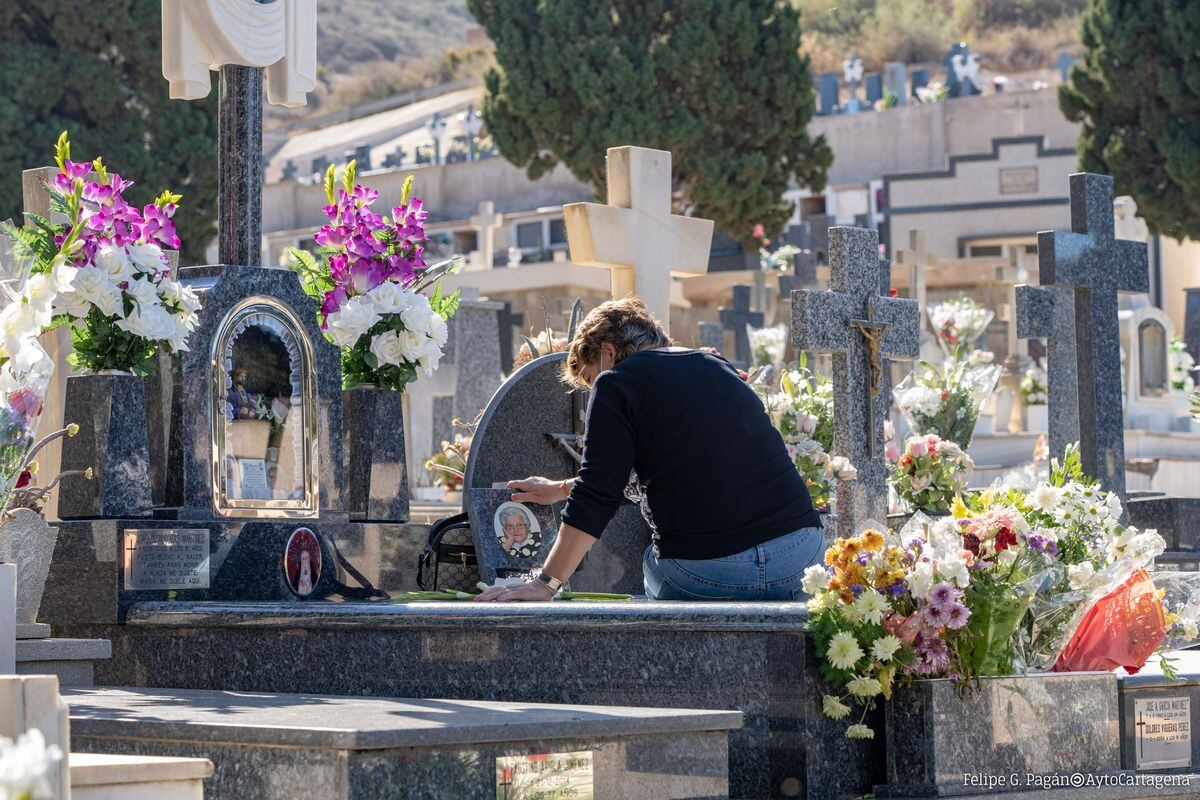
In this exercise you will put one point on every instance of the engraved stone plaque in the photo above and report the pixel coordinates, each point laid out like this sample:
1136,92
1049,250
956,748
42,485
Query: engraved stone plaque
1018,180
171,558
1164,732
545,775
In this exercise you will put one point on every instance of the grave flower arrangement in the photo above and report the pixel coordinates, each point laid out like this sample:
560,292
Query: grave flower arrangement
768,345
959,323
122,303
380,302
946,401
802,411
1183,366
930,473
1033,386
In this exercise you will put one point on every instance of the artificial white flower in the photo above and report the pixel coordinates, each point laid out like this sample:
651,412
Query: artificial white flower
439,331
387,349
860,732
842,469
1079,575
147,258
390,297
418,317
843,652
886,647
834,708
816,579
144,292
95,287
357,316
871,605
920,579
954,569
342,337
183,296
114,263
861,686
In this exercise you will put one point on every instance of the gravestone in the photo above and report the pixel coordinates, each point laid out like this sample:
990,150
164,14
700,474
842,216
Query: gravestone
635,235
827,94
862,329
917,260
485,221
290,170
852,73
712,334
895,81
508,323
1063,65
319,166
1191,322
475,339
962,67
874,87
920,79
394,159
361,154
532,426
735,318
1094,267
1048,313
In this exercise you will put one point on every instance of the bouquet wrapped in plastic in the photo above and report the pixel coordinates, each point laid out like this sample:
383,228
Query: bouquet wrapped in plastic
946,401
930,473
959,323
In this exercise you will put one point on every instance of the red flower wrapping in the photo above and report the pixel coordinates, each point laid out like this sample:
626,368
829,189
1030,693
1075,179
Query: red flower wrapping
1123,629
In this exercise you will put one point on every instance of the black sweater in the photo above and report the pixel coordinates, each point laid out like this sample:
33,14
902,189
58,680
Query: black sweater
714,474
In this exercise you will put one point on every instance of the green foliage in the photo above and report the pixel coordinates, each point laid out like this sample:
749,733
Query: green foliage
911,31
1137,94
981,15
719,83
100,345
96,69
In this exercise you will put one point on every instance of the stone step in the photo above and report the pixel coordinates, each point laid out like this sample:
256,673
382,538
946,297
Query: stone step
281,747
112,777
72,660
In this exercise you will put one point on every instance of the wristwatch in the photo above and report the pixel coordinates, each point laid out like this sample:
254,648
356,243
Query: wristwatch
549,580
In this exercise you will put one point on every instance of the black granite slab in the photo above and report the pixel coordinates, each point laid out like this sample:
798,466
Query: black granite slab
110,411
749,657
1177,519
376,471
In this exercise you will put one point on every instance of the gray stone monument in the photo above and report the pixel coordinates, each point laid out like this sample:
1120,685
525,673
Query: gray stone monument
827,94
1094,266
862,329
895,81
475,337
1191,322
712,334
873,82
533,426
1050,314
917,260
961,68
735,318
920,79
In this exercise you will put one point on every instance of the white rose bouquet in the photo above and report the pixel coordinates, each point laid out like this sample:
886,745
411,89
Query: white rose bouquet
1183,366
373,286
958,323
1033,386
946,401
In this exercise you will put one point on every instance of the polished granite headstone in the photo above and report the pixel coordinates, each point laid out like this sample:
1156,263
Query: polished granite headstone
838,321
1095,266
711,334
938,735
284,747
1049,313
376,469
518,437
736,318
1191,322
749,657
110,410
476,342
1177,519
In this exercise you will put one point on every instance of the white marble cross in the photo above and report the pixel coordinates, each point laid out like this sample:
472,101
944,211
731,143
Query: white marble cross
485,222
279,37
635,235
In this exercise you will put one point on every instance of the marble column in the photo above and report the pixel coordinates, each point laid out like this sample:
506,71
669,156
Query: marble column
239,165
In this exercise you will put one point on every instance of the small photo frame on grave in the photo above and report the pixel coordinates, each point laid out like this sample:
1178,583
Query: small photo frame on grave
511,538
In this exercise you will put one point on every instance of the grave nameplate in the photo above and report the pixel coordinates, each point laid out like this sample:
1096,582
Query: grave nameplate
545,775
1164,732
166,559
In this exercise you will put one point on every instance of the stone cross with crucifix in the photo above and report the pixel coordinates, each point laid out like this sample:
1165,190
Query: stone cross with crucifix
242,39
1094,266
485,222
862,329
1050,314
635,235
735,319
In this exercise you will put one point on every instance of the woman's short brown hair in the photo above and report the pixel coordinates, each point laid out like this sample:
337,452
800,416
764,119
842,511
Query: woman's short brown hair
625,324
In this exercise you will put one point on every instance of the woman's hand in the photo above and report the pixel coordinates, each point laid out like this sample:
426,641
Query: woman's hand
540,491
530,592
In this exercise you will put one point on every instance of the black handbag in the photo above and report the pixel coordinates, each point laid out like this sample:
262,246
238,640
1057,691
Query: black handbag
448,560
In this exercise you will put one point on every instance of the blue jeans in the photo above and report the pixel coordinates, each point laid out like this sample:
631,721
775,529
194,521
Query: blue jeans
769,571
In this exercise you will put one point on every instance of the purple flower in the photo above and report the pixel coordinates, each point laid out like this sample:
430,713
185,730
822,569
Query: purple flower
331,236
957,616
935,616
896,589
157,227
333,301
857,589
943,596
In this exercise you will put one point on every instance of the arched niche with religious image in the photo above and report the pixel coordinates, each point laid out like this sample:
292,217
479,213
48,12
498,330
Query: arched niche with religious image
264,414
517,530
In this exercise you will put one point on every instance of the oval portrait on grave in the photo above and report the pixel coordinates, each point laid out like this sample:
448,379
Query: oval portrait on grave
302,562
517,530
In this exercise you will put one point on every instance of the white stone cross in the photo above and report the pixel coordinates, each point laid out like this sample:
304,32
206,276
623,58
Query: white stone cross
636,235
485,222
862,329
1096,266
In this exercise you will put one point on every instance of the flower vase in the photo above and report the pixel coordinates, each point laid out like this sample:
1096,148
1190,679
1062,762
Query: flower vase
114,440
376,469
27,541
1037,418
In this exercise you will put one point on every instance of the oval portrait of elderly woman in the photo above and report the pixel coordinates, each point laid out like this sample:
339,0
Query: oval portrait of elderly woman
517,530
